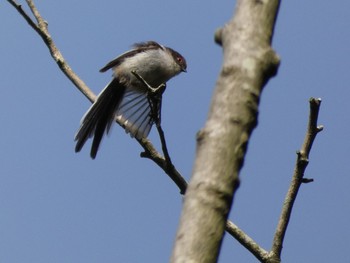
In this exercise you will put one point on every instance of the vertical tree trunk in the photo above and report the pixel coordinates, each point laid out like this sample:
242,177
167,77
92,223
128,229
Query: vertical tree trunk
249,62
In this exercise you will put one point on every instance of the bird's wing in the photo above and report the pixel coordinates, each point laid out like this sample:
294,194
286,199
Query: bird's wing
134,113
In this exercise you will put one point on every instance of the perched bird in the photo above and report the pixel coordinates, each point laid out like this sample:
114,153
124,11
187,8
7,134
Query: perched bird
125,98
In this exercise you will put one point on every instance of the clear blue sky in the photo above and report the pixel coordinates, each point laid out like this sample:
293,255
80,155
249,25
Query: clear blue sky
59,206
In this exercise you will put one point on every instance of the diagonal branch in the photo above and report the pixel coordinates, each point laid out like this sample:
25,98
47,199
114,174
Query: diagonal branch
300,166
247,241
151,153
41,29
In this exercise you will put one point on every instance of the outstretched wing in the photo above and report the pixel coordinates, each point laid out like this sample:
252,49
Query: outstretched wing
134,113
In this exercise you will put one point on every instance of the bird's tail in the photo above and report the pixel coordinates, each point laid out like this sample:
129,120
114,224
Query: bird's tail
100,116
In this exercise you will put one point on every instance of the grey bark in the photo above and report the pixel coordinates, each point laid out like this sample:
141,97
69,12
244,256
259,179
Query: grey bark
249,62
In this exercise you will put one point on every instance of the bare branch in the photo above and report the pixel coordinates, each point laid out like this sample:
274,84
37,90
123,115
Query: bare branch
42,30
247,241
300,166
151,153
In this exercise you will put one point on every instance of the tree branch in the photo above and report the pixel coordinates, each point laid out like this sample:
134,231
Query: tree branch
300,166
247,241
151,153
42,30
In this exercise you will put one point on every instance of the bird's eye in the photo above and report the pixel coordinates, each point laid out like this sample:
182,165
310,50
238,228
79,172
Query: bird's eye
179,59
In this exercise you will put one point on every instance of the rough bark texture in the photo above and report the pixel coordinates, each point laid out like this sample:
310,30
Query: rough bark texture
249,62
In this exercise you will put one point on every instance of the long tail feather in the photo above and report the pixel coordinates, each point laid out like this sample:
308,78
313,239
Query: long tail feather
99,118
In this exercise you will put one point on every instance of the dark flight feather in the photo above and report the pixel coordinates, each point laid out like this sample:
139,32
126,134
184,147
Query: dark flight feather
100,116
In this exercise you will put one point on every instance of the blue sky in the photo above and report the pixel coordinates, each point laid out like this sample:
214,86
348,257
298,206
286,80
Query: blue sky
59,206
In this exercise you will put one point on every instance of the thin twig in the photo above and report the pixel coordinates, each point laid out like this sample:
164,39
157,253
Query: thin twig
171,171
154,97
155,101
157,117
300,166
247,241
41,29
164,146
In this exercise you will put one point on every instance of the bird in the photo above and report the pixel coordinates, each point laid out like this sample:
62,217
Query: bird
125,98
